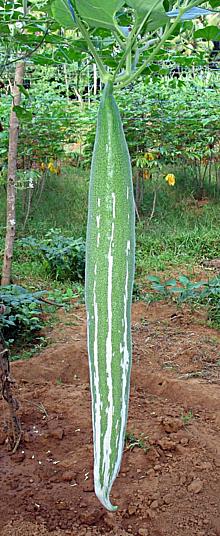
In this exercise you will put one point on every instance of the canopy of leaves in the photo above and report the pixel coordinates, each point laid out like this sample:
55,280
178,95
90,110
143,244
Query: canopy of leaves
97,13
144,19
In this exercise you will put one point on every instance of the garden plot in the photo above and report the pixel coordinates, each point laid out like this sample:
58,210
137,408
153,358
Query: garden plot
169,480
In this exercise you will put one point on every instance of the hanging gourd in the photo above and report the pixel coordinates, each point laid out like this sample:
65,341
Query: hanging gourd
110,248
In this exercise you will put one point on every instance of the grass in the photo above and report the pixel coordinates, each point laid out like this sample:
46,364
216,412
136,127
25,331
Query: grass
59,381
63,205
26,353
180,236
177,239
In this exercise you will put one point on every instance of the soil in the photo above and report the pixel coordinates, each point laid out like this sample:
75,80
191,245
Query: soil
169,481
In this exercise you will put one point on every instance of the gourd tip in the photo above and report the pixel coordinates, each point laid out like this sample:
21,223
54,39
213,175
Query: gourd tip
105,501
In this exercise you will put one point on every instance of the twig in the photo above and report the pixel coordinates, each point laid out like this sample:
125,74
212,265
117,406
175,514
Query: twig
58,305
39,406
28,54
154,205
136,210
76,316
48,302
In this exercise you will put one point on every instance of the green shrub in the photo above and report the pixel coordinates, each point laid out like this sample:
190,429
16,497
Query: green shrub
63,257
22,315
211,298
182,290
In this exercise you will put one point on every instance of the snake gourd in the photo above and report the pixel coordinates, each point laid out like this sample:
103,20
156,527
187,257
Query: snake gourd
110,260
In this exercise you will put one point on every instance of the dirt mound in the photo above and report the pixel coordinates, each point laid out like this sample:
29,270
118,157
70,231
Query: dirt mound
169,480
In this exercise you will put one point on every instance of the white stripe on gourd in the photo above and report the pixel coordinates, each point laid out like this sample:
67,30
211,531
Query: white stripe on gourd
110,247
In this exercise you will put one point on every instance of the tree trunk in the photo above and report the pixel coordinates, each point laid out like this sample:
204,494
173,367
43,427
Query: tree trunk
12,168
6,383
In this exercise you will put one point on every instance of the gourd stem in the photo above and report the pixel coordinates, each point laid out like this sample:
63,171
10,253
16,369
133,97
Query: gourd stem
168,31
108,89
151,57
85,34
133,37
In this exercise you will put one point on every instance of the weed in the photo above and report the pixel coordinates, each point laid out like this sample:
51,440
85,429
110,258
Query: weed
22,315
39,344
140,442
80,293
59,381
40,407
187,417
139,294
178,237
182,290
64,297
62,257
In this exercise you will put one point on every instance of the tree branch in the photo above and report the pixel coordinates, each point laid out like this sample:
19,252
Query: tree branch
28,54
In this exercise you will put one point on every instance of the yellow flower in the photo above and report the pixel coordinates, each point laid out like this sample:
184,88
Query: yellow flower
43,166
146,174
171,179
149,156
51,167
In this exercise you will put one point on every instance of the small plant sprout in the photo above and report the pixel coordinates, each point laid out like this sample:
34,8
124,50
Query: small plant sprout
132,441
187,417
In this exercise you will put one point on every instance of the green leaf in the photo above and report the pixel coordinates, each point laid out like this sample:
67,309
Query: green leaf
23,90
144,6
158,287
22,113
41,59
157,14
210,33
214,3
99,13
4,29
170,283
62,14
199,284
153,278
184,280
174,290
71,54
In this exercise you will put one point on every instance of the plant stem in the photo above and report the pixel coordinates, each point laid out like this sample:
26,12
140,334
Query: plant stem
119,35
137,73
103,73
118,39
133,37
128,64
166,35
